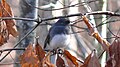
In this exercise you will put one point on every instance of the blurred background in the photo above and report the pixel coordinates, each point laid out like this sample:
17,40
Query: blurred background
82,43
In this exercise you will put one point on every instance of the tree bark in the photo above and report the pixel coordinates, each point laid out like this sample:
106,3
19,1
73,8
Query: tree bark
27,11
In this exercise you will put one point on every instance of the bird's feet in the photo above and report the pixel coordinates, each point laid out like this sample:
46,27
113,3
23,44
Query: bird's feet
57,51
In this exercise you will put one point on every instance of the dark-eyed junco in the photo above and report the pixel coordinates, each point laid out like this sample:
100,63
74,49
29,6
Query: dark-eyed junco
59,35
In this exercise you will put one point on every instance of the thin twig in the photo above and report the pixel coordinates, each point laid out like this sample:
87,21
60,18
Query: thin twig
17,18
45,9
101,54
111,37
12,57
101,12
9,63
3,50
116,36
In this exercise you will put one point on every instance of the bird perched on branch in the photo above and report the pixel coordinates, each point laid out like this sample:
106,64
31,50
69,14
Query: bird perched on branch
59,35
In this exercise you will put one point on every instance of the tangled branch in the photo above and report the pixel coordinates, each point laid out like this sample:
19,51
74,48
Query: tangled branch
40,20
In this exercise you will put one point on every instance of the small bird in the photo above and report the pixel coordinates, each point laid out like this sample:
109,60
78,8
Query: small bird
59,35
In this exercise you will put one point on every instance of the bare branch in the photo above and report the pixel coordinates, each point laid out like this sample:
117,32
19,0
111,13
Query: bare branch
9,63
103,12
46,19
116,36
71,15
3,50
17,18
46,9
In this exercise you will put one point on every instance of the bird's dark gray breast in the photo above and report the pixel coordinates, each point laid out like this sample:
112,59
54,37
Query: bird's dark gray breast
57,30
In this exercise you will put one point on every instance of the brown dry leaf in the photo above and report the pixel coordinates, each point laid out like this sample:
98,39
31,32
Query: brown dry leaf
60,62
114,52
109,63
72,58
91,61
69,62
39,51
3,33
93,31
1,40
29,59
86,61
7,12
46,61
13,31
6,8
9,25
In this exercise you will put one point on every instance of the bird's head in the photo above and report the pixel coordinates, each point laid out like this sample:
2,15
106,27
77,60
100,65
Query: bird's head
62,21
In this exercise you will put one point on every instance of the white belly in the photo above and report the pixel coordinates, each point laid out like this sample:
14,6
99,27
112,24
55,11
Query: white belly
59,41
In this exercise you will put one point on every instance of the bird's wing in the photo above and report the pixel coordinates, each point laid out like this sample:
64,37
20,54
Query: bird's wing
47,41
